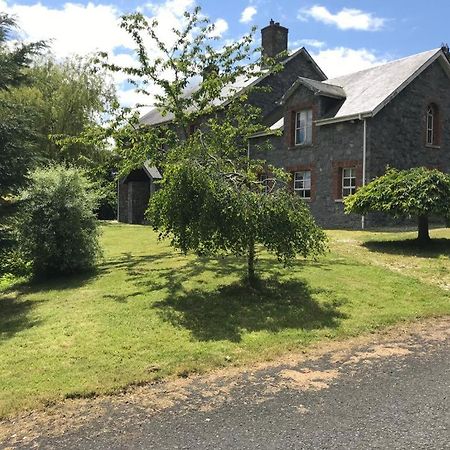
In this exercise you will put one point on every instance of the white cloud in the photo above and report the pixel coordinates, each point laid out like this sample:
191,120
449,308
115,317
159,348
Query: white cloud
345,19
73,28
220,27
308,43
247,14
341,60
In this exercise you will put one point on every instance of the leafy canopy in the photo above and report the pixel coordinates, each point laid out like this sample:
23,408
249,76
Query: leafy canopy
404,193
17,132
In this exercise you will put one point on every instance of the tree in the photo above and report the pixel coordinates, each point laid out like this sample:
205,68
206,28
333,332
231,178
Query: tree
70,96
200,210
212,199
57,231
17,133
417,192
14,59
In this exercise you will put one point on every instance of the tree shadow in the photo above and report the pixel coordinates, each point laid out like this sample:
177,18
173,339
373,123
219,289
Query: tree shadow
14,316
411,247
229,311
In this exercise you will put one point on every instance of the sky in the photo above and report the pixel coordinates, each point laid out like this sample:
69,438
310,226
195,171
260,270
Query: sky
342,35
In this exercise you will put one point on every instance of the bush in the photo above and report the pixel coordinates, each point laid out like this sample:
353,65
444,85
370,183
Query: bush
57,228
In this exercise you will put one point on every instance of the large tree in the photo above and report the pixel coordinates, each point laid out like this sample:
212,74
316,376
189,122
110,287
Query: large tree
70,96
17,131
212,198
417,192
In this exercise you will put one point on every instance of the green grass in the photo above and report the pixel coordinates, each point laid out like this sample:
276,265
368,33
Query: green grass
150,312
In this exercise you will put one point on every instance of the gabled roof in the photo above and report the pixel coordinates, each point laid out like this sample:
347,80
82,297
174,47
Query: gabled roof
318,87
154,116
368,91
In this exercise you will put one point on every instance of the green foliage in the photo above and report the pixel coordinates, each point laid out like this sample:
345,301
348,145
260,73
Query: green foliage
14,59
404,193
40,100
57,229
71,97
201,211
17,131
17,143
416,192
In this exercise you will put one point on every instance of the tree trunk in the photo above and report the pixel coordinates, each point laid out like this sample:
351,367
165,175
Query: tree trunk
423,229
251,263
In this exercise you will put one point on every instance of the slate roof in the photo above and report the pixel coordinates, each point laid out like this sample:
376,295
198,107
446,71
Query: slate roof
152,171
370,90
154,116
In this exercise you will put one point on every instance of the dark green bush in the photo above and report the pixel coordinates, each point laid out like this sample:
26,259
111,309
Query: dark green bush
57,228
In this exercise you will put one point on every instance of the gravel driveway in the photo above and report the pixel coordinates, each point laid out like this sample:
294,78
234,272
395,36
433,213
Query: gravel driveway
389,391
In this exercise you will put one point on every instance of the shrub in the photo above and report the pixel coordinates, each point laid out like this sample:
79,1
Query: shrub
57,228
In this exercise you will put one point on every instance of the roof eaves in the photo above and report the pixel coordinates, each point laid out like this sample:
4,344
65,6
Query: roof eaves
263,133
331,120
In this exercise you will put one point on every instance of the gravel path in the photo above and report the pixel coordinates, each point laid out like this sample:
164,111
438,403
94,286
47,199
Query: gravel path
386,391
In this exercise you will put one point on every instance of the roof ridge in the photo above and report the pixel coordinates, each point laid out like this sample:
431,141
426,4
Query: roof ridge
436,50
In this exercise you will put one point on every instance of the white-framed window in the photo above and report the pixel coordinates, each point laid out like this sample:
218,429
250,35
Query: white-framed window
430,124
303,127
302,183
348,181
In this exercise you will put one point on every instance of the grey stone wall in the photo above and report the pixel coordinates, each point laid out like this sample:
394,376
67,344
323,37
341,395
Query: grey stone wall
395,137
397,134
333,147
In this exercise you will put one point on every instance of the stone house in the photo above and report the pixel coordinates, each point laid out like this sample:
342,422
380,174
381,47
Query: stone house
334,135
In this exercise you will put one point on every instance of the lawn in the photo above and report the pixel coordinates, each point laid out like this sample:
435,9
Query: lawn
150,312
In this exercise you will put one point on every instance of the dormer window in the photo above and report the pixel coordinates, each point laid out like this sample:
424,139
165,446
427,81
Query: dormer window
303,127
432,125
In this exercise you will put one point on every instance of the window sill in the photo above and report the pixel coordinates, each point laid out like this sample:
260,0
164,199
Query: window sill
432,146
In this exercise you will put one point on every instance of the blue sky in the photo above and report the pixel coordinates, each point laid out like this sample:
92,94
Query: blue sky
343,35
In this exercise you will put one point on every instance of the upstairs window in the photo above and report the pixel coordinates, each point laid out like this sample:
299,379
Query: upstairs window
432,125
348,181
302,183
303,127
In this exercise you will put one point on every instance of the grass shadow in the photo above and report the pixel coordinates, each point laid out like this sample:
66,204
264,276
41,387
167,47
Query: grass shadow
226,313
411,247
14,316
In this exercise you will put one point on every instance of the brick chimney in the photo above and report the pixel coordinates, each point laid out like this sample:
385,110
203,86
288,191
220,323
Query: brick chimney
274,39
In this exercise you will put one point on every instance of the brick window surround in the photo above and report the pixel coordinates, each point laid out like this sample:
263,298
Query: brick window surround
289,120
303,168
338,167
